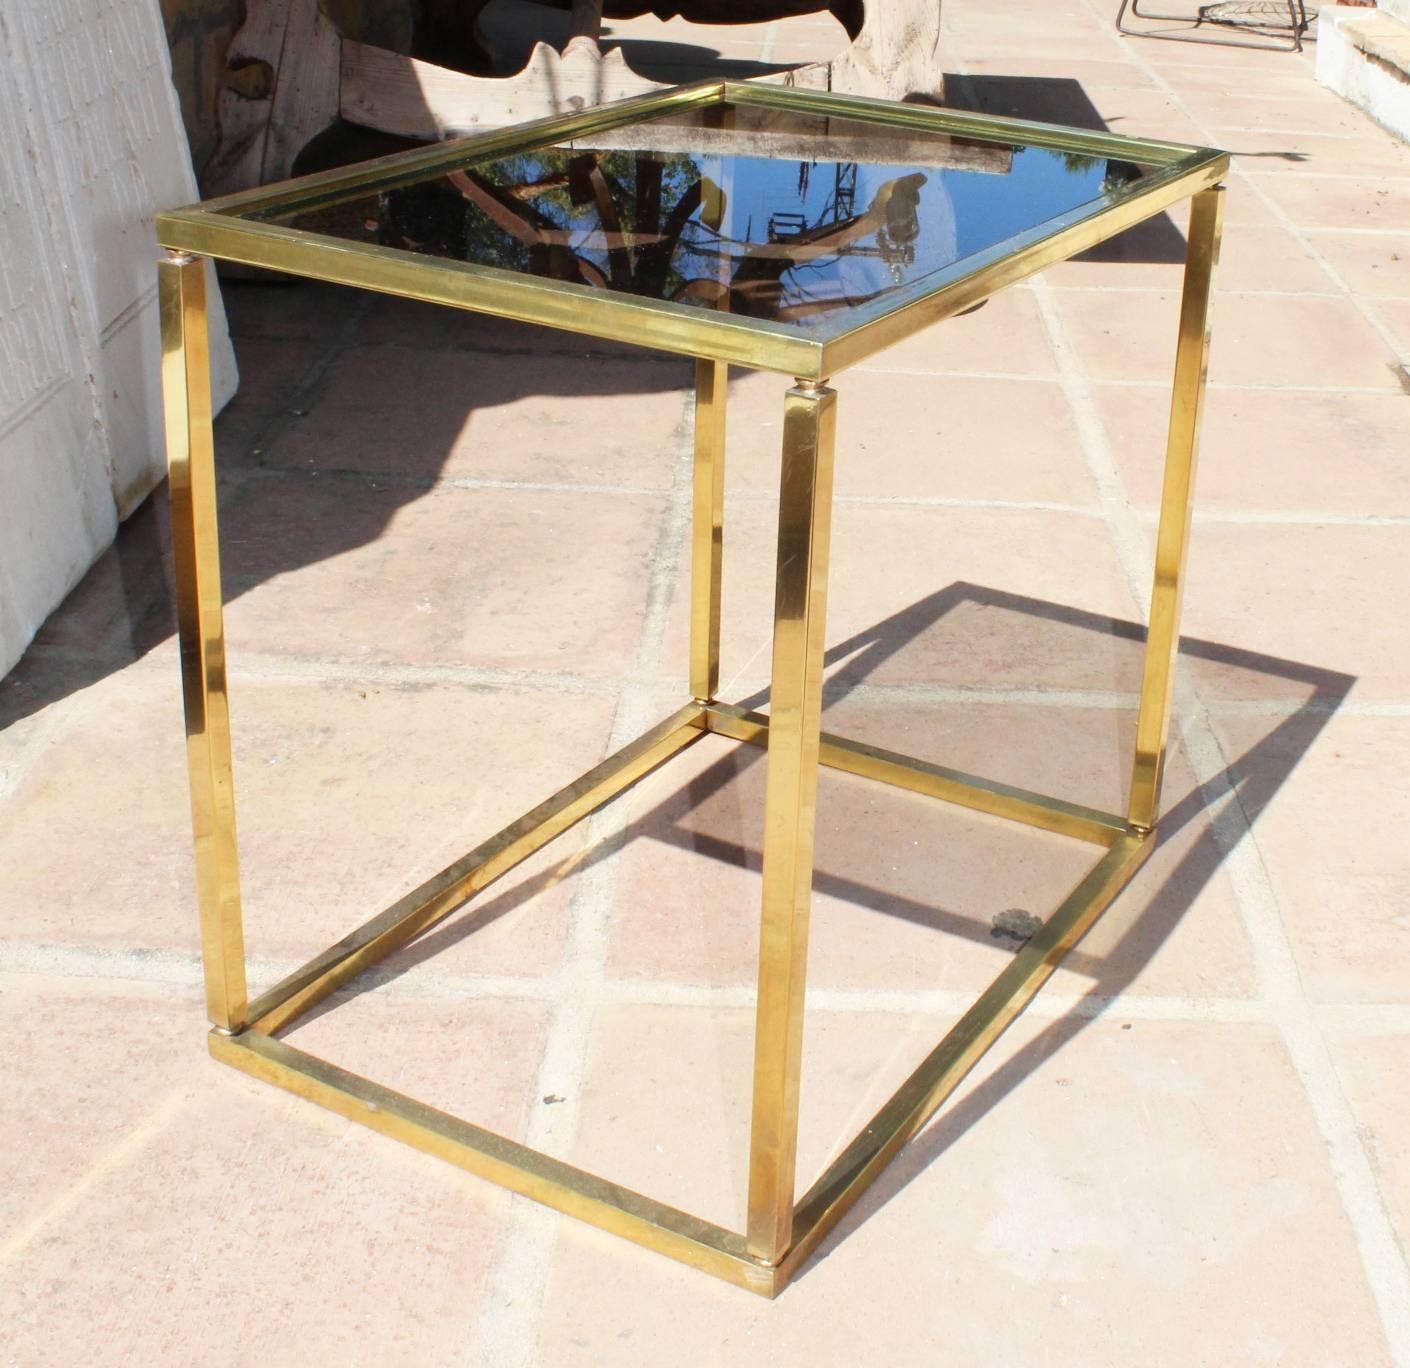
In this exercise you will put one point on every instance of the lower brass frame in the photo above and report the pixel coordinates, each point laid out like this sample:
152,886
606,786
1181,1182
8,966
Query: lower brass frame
781,1232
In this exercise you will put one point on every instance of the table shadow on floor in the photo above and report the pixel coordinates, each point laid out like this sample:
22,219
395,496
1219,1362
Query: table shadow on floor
1226,807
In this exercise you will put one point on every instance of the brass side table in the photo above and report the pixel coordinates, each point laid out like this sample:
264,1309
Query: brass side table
783,230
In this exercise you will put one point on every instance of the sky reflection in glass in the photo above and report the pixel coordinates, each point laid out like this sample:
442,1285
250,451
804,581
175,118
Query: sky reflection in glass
789,217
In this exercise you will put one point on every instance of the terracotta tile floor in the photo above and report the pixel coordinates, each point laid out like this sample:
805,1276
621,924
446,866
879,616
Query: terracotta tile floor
455,551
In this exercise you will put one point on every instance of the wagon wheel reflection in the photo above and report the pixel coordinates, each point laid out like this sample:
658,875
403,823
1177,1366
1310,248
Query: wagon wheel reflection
643,245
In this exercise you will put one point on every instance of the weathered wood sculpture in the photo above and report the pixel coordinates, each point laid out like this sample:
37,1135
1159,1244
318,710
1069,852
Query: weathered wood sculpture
452,27
291,74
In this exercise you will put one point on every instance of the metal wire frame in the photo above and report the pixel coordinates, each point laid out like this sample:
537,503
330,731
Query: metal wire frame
781,1231
1224,13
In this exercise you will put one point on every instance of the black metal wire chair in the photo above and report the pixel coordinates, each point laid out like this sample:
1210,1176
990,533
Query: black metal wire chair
1268,19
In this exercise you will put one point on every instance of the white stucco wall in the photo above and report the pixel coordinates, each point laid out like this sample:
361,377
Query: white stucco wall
91,143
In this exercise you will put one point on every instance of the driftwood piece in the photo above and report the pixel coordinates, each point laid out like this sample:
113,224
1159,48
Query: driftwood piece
453,26
414,99
306,76
420,100
895,55
282,89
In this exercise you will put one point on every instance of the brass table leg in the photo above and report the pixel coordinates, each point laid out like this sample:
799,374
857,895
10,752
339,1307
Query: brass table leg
196,551
1176,507
795,724
707,537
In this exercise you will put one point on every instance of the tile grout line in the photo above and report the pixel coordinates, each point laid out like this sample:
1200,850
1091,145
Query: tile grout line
1382,1258
1353,1019
380,479
1164,290
132,1143
1290,173
261,667
16,765
509,1321
1231,518
1131,547
1397,234
182,971
388,478
1269,708
1303,1037
139,972
1225,387
50,729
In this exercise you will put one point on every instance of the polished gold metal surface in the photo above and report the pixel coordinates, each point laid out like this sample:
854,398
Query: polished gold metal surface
686,1238
186,387
781,1232
936,781
790,802
1176,507
707,537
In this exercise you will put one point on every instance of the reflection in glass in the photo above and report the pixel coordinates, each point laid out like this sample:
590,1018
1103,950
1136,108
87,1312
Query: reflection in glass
779,216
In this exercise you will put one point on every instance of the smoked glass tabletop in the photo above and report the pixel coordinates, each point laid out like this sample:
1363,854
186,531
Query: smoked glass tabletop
797,218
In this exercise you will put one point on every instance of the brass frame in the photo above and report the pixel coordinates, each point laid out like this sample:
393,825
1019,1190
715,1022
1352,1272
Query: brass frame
781,1233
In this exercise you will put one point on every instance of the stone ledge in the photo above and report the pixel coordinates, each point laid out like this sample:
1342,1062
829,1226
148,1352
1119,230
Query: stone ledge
1384,39
1364,55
